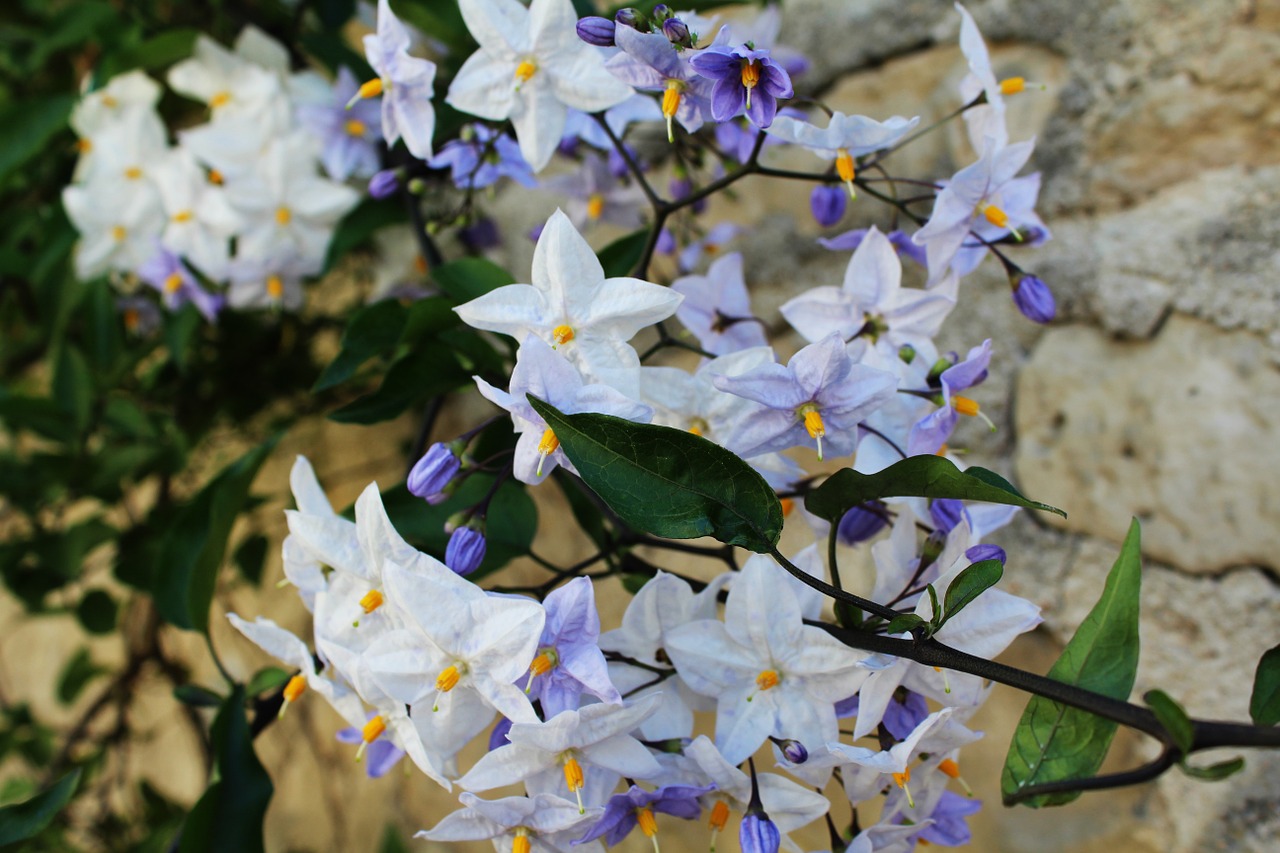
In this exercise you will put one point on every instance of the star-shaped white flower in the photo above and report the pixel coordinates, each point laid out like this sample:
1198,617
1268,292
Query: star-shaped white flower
548,823
531,67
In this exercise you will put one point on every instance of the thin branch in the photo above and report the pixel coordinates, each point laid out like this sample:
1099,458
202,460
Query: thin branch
1167,758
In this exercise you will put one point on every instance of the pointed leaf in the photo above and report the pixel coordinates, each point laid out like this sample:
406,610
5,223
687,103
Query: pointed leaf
372,330
915,477
904,623
469,278
669,482
1173,717
1264,704
621,257
427,371
968,585
1214,772
27,819
1054,742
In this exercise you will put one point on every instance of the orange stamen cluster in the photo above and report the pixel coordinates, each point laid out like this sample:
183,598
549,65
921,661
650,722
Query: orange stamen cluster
371,600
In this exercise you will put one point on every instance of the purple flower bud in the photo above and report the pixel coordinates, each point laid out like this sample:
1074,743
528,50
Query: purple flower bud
978,553
828,203
465,551
596,31
384,183
437,467
758,834
632,17
862,522
946,514
1034,299
794,751
661,13
677,32
666,242
481,234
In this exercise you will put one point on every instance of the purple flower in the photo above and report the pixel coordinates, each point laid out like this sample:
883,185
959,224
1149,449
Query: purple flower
480,156
480,235
716,308
348,137
1034,299
596,31
931,432
437,467
382,754
758,834
569,661
949,828
177,286
498,737
850,240
744,78
465,551
904,712
384,183
622,812
596,195
946,513
828,203
862,522
651,63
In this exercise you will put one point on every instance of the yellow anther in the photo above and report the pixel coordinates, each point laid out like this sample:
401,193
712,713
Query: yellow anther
696,430
560,335
901,780
845,169
118,233
133,173
1012,85
546,447
648,825
275,290
295,687
573,780
767,679
965,405
996,216
371,731
372,599
941,451
420,265
595,206
220,99
671,104
370,88
215,177
526,69
448,678
183,216
787,505
354,127
84,146
283,215
172,283
950,768
719,815
521,844
543,663
109,102
750,77
813,423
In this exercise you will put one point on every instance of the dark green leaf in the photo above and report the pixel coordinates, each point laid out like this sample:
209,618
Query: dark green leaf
1054,742
669,482
267,678
21,821
251,557
333,51
26,128
360,224
197,542
38,414
1173,717
1214,772
102,327
334,13
1264,704
373,330
968,585
427,371
230,813
633,583
197,696
467,278
76,675
73,386
621,257
154,54
180,329
904,623
97,612
428,318
915,477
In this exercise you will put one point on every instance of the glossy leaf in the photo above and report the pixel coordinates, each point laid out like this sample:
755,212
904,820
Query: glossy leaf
1054,742
904,623
669,482
371,331
230,813
197,542
968,585
1173,717
915,477
428,370
621,257
1264,704
468,278
21,821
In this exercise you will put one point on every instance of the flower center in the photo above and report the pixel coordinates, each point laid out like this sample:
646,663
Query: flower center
548,660
951,769
372,599
649,826
447,680
996,216
526,69
133,173
215,177
220,99
371,731
595,206
295,687
901,780
767,679
750,77
183,216
670,104
275,290
283,215
354,127
573,779
546,447
845,169
562,334
813,423
370,88
172,283
521,844
84,146
109,102
118,233
1012,85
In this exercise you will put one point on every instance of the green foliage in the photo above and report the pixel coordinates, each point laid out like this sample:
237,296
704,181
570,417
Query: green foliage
468,278
372,330
915,477
968,585
621,257
76,674
669,482
97,612
1055,742
1264,703
21,821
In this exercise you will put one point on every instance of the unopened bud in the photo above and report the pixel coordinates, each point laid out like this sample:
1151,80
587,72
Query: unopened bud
1033,298
758,834
632,17
677,32
661,13
466,549
417,186
792,750
437,467
828,204
907,353
596,31
384,183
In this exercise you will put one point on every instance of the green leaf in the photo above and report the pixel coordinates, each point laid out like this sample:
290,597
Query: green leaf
267,678
968,585
197,696
1264,704
915,477
426,371
360,224
97,612
251,557
102,327
1214,772
76,675
669,482
180,329
197,542
26,128
1055,742
621,257
73,386
392,842
373,330
904,623
230,813
21,821
155,53
467,278
1173,717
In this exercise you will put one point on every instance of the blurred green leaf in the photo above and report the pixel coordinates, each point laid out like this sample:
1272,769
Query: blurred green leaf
360,224
1055,742
180,328
372,330
1264,703
97,612
1214,772
621,257
27,127
197,696
267,678
251,557
467,278
76,675
1173,717
73,386
21,821
428,370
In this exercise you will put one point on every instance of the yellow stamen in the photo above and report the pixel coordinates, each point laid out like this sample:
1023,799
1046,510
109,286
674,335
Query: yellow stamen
172,283
573,780
118,233
372,731
372,599
671,104
541,665
546,447
84,145
719,817
215,177
787,506
1012,85
996,216
649,826
560,335
813,424
219,100
750,77
109,102
521,844
965,405
275,290
133,173
950,768
696,430
941,451
295,687
183,216
283,215
526,69
845,169
901,780
595,206
448,678
354,127
370,88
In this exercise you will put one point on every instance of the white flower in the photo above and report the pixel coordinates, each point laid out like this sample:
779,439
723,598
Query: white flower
531,67
200,220
844,138
230,83
118,230
548,823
